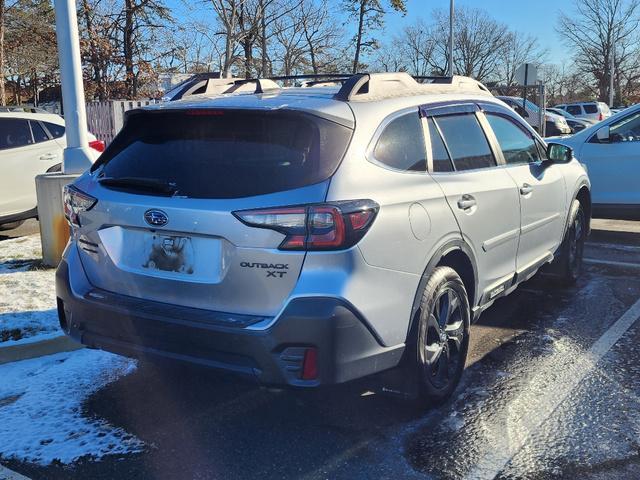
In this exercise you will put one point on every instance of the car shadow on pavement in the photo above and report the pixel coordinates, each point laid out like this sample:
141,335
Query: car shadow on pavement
224,427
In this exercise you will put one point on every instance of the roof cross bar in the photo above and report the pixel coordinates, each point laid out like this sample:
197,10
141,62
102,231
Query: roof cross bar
433,79
377,86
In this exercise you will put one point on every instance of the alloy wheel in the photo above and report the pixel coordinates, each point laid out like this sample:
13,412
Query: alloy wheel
444,337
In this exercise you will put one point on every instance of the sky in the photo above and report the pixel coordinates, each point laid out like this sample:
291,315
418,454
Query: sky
534,17
537,18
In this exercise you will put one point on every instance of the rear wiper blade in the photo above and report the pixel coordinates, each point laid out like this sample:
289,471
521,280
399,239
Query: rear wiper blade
150,184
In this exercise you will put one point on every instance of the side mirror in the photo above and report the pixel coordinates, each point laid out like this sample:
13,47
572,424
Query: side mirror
604,134
557,153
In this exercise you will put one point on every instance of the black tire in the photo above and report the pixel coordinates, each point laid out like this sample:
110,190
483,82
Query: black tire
11,225
572,248
57,168
441,339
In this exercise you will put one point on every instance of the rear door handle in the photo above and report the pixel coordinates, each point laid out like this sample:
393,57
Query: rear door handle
526,189
466,202
48,156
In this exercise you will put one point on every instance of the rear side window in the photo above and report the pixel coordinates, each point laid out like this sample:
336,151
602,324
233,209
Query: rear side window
56,131
226,153
574,109
590,108
516,144
14,133
39,135
466,141
401,144
441,159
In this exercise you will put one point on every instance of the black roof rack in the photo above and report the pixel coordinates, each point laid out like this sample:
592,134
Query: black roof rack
358,83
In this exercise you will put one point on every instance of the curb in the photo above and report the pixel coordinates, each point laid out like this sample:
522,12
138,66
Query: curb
15,353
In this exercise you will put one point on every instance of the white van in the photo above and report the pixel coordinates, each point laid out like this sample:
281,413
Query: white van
596,111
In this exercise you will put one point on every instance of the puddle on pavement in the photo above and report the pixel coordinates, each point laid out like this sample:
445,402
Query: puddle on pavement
516,386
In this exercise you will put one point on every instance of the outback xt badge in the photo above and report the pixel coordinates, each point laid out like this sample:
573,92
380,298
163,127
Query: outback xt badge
275,270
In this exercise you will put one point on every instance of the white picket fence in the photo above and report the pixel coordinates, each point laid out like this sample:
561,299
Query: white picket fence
104,119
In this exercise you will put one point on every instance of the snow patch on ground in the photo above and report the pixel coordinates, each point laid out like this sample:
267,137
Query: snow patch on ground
27,293
41,417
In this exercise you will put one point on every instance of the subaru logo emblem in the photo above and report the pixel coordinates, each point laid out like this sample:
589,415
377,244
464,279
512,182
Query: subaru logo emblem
156,218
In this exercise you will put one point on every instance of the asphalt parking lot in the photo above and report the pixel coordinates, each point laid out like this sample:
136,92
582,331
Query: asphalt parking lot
551,391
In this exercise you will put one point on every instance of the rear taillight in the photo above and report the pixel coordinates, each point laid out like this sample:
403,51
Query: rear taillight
601,116
75,202
97,145
328,226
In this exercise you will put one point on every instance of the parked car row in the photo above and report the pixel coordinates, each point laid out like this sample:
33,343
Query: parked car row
563,119
576,124
596,111
554,124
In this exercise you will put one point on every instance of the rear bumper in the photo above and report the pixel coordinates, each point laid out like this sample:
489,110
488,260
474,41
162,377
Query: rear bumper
346,347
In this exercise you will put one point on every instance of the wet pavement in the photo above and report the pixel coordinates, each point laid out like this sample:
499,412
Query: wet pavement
551,390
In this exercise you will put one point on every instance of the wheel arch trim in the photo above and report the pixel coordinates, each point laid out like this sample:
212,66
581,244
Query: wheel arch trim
446,248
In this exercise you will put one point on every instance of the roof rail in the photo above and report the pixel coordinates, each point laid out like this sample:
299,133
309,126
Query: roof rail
376,86
367,86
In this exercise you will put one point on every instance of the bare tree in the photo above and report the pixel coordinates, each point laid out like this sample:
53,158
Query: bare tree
599,31
479,42
417,45
140,20
370,17
30,60
228,13
518,49
321,33
99,44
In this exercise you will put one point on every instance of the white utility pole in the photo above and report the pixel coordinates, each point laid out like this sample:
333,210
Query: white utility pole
451,16
76,156
54,230
612,67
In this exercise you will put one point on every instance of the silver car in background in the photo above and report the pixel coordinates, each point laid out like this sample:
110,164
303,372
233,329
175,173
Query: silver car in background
311,236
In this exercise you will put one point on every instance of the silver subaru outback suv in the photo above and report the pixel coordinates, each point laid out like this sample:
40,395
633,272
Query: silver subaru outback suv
310,236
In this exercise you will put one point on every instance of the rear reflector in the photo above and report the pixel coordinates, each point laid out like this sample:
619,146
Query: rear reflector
310,364
328,226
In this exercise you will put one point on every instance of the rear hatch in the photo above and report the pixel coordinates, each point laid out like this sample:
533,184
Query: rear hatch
163,227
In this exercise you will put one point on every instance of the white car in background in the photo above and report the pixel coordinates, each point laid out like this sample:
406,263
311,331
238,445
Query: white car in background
31,143
611,152
596,111
554,124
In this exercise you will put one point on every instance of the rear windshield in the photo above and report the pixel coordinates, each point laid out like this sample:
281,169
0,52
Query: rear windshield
225,153
590,108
